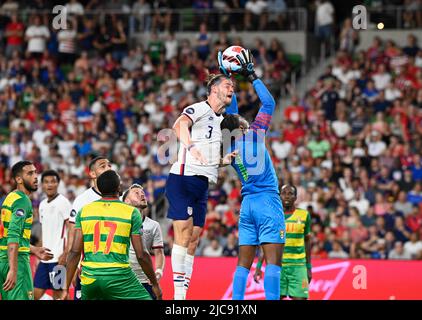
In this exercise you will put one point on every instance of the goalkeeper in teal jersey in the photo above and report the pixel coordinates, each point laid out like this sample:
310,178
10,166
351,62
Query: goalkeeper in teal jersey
261,219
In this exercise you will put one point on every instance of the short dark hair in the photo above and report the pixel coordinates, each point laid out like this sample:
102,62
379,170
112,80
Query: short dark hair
94,161
290,186
125,194
213,79
230,122
18,167
108,183
50,173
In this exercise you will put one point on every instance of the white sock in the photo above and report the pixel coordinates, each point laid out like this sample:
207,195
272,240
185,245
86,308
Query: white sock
188,271
178,254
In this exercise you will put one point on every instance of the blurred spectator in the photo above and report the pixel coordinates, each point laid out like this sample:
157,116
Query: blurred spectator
337,252
214,249
231,249
399,253
413,246
255,18
37,35
14,34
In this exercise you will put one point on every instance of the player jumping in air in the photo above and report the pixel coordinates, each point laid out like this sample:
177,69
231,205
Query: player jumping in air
297,269
104,230
261,216
15,233
198,129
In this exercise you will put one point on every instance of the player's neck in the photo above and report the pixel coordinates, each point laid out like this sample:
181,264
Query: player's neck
110,197
215,104
51,198
289,210
24,190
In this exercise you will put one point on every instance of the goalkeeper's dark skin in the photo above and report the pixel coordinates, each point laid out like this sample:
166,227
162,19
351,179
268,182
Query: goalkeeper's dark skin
288,198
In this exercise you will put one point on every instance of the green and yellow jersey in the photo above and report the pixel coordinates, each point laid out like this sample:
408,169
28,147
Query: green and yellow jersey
298,225
15,223
106,229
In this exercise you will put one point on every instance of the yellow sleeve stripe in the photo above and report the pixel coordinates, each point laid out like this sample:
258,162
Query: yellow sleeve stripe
27,234
21,249
12,197
5,215
95,265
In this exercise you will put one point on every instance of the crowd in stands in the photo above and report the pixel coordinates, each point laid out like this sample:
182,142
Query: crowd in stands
352,145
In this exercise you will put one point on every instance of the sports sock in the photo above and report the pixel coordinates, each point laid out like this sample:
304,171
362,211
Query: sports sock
239,283
188,271
178,254
272,282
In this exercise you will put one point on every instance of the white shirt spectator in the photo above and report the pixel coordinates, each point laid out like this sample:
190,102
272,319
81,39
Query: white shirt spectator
124,84
381,80
341,128
143,160
213,250
38,36
281,149
414,248
324,14
75,7
362,205
67,41
256,7
171,48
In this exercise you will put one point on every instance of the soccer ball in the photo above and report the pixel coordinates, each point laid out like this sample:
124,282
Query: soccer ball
229,59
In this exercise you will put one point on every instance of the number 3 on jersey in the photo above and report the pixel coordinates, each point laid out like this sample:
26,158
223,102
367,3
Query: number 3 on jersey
112,226
208,136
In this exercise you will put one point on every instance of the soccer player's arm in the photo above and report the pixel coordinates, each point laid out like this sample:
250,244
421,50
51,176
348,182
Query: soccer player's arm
66,215
233,108
158,247
263,119
74,255
14,232
181,126
308,246
258,272
71,227
142,255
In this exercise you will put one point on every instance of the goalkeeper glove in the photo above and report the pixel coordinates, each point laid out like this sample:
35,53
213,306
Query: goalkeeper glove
246,65
223,70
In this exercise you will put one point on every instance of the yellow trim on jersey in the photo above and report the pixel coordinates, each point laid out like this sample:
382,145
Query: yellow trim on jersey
123,228
115,247
95,265
85,280
12,197
99,208
294,255
26,234
21,249
8,214
292,242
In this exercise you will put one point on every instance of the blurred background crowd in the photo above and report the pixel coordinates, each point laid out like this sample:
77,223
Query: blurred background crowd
352,144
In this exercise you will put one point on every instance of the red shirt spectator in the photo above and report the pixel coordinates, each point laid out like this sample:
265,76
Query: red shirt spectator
15,32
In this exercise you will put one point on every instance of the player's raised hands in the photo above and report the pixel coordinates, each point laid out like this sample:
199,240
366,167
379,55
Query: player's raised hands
223,70
246,64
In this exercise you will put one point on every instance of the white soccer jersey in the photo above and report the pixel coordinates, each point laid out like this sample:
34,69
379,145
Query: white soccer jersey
206,135
86,197
151,239
53,216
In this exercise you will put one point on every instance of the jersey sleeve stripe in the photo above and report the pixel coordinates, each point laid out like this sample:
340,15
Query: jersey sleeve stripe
185,114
